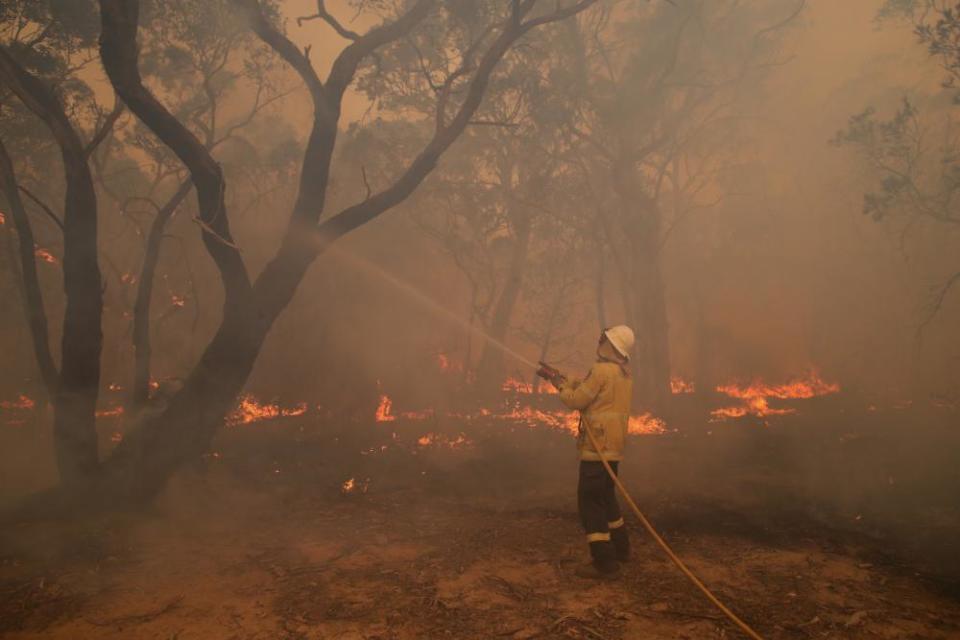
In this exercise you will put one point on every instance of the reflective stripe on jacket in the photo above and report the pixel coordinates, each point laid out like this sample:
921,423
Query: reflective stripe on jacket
603,399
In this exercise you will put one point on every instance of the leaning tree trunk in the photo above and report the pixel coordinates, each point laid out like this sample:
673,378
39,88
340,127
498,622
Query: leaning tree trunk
28,282
491,368
75,400
141,307
143,462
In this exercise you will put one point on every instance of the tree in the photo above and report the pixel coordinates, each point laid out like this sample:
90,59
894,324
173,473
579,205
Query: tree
200,52
916,164
653,95
140,465
75,389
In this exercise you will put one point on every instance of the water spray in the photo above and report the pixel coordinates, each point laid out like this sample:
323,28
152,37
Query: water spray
429,303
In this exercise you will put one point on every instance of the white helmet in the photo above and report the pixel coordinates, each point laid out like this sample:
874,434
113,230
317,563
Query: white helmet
621,337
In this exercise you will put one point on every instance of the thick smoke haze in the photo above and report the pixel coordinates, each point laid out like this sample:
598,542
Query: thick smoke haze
331,239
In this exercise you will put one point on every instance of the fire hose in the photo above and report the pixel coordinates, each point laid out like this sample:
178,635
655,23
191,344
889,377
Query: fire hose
663,544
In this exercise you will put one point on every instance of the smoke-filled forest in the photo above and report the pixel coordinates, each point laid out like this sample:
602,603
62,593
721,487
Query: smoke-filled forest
301,304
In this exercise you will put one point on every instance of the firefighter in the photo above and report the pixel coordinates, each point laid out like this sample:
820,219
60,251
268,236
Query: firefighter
603,399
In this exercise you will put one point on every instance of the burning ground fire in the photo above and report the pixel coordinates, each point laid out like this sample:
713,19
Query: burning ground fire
755,397
250,410
753,400
531,417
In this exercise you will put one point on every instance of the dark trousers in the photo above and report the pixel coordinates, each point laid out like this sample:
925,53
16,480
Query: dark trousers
600,514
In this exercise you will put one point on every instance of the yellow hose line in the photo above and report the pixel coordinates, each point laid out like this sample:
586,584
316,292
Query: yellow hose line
663,545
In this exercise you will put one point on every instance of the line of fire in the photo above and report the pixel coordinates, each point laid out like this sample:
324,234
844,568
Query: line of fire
479,319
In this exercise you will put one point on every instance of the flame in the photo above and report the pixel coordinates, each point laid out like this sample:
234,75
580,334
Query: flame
797,389
447,365
3,219
250,410
383,410
22,402
679,385
646,425
531,417
45,255
178,301
755,397
352,485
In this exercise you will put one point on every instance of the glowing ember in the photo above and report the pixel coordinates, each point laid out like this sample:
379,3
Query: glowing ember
3,218
755,397
45,255
679,385
383,410
512,385
352,485
115,387
111,412
417,415
22,403
178,301
250,410
128,278
441,440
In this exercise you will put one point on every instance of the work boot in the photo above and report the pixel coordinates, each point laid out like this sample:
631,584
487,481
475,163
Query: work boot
591,572
621,543
604,565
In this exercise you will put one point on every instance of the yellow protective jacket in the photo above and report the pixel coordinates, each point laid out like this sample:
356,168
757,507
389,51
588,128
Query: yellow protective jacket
603,399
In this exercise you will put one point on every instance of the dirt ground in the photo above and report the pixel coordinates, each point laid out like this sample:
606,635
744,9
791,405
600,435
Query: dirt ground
260,541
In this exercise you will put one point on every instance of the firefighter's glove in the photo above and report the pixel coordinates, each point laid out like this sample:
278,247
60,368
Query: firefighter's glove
547,372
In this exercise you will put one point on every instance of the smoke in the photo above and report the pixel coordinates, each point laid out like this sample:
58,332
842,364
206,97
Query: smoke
769,271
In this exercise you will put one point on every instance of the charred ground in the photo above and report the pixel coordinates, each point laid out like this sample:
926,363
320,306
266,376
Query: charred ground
303,527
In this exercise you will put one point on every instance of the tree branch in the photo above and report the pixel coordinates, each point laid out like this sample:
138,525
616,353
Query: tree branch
105,128
345,66
356,215
40,203
324,15
120,55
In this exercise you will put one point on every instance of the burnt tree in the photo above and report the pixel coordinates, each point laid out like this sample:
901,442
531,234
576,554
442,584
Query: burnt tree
141,463
74,392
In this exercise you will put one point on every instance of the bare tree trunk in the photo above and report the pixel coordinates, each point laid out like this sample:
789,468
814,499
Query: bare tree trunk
28,281
652,353
141,307
142,463
644,294
75,437
490,369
